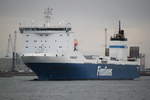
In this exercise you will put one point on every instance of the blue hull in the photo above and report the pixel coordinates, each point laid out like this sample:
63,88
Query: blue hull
69,71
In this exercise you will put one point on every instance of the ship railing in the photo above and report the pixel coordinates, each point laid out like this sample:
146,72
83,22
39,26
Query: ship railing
38,54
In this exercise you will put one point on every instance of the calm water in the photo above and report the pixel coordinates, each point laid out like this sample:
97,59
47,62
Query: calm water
22,88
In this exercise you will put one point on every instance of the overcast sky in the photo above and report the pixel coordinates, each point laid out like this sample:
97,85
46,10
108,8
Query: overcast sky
88,18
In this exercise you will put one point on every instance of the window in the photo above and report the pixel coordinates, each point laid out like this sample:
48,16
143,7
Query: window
27,35
60,35
73,57
35,40
26,47
27,41
41,35
60,46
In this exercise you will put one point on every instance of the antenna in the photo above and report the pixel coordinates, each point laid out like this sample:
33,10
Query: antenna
15,38
14,52
48,15
106,49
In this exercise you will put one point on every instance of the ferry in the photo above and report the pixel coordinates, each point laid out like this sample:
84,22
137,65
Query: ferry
52,53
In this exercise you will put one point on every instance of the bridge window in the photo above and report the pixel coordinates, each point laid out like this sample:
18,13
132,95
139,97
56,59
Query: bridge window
60,46
60,35
27,41
46,34
35,40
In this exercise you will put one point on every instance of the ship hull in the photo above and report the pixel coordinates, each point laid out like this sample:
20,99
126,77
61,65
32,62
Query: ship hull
80,71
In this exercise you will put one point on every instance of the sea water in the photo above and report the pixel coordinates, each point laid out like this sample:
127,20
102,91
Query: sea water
24,88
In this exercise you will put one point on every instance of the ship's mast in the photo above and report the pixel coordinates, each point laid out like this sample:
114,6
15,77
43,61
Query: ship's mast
106,47
119,26
14,53
121,31
105,40
48,16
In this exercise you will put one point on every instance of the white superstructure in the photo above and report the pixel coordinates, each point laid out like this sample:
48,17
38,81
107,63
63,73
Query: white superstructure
54,41
57,44
118,48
